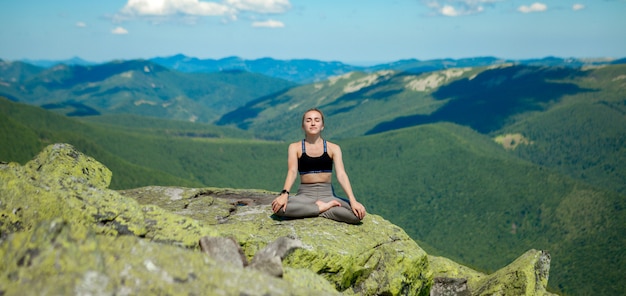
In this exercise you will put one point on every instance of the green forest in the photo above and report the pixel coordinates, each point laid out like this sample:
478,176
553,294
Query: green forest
432,167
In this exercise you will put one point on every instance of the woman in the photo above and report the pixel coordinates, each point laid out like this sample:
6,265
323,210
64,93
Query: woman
313,159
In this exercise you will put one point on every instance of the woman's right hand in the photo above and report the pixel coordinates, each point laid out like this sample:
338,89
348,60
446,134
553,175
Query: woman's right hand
280,202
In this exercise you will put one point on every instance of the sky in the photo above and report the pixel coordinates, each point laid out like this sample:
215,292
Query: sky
362,32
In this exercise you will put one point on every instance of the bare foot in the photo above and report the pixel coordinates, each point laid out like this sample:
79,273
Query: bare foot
325,206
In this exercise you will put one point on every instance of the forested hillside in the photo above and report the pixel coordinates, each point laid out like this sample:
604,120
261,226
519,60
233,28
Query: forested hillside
572,119
584,135
156,152
355,103
458,192
134,87
453,189
478,164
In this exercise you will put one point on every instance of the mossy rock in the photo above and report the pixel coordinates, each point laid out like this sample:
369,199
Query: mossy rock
373,258
62,182
59,258
527,275
62,231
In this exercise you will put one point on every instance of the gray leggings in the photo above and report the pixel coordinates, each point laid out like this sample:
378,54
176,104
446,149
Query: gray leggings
302,205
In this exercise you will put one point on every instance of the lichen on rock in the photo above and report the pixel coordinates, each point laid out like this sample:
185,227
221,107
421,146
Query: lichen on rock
62,231
527,275
62,182
59,258
350,257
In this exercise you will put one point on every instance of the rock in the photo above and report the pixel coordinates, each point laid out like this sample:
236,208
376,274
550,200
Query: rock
269,259
61,258
527,275
348,256
62,231
67,166
224,249
62,182
445,268
449,287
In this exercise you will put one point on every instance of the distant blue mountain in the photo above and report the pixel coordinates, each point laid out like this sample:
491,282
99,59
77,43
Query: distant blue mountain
305,71
300,70
135,86
75,61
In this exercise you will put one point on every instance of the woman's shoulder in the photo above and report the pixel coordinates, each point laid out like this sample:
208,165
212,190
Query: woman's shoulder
332,146
295,146
296,143
329,143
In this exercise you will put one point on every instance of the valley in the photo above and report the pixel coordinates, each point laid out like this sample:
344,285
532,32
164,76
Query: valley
478,163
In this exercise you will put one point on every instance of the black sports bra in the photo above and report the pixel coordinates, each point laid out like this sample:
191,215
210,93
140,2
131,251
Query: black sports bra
312,165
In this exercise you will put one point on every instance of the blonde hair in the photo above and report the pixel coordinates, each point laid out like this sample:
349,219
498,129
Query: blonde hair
313,109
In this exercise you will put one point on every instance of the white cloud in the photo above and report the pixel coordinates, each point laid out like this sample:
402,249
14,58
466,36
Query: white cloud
260,6
535,7
448,10
119,31
152,9
459,7
578,6
174,7
268,24
81,24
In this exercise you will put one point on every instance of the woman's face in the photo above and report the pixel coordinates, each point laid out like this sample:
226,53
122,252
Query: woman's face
312,122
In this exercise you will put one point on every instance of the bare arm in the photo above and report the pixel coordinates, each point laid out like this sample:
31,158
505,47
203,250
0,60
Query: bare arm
344,181
292,173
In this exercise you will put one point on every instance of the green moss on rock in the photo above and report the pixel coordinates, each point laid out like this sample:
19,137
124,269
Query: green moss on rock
350,257
62,182
527,275
62,231
58,258
446,268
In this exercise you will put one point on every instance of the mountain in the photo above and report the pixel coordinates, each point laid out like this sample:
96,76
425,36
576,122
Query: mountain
138,87
50,63
298,70
619,61
476,163
484,99
455,191
354,103
17,71
566,120
539,104
415,66
185,88
304,71
507,98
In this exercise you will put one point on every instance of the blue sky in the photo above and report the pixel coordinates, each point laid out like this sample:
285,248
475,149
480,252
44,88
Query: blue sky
350,31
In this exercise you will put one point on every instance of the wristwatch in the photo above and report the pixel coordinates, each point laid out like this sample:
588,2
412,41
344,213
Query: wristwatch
284,191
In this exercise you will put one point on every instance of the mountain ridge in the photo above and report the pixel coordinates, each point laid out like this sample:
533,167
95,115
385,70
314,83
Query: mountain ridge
445,184
136,86
311,70
518,155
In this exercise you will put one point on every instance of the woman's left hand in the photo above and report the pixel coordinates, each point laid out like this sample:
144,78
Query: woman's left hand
358,209
280,202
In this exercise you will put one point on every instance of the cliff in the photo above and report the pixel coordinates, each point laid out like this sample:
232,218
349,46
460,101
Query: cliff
62,231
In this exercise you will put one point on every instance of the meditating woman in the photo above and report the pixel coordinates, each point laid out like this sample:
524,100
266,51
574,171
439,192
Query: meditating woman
313,159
